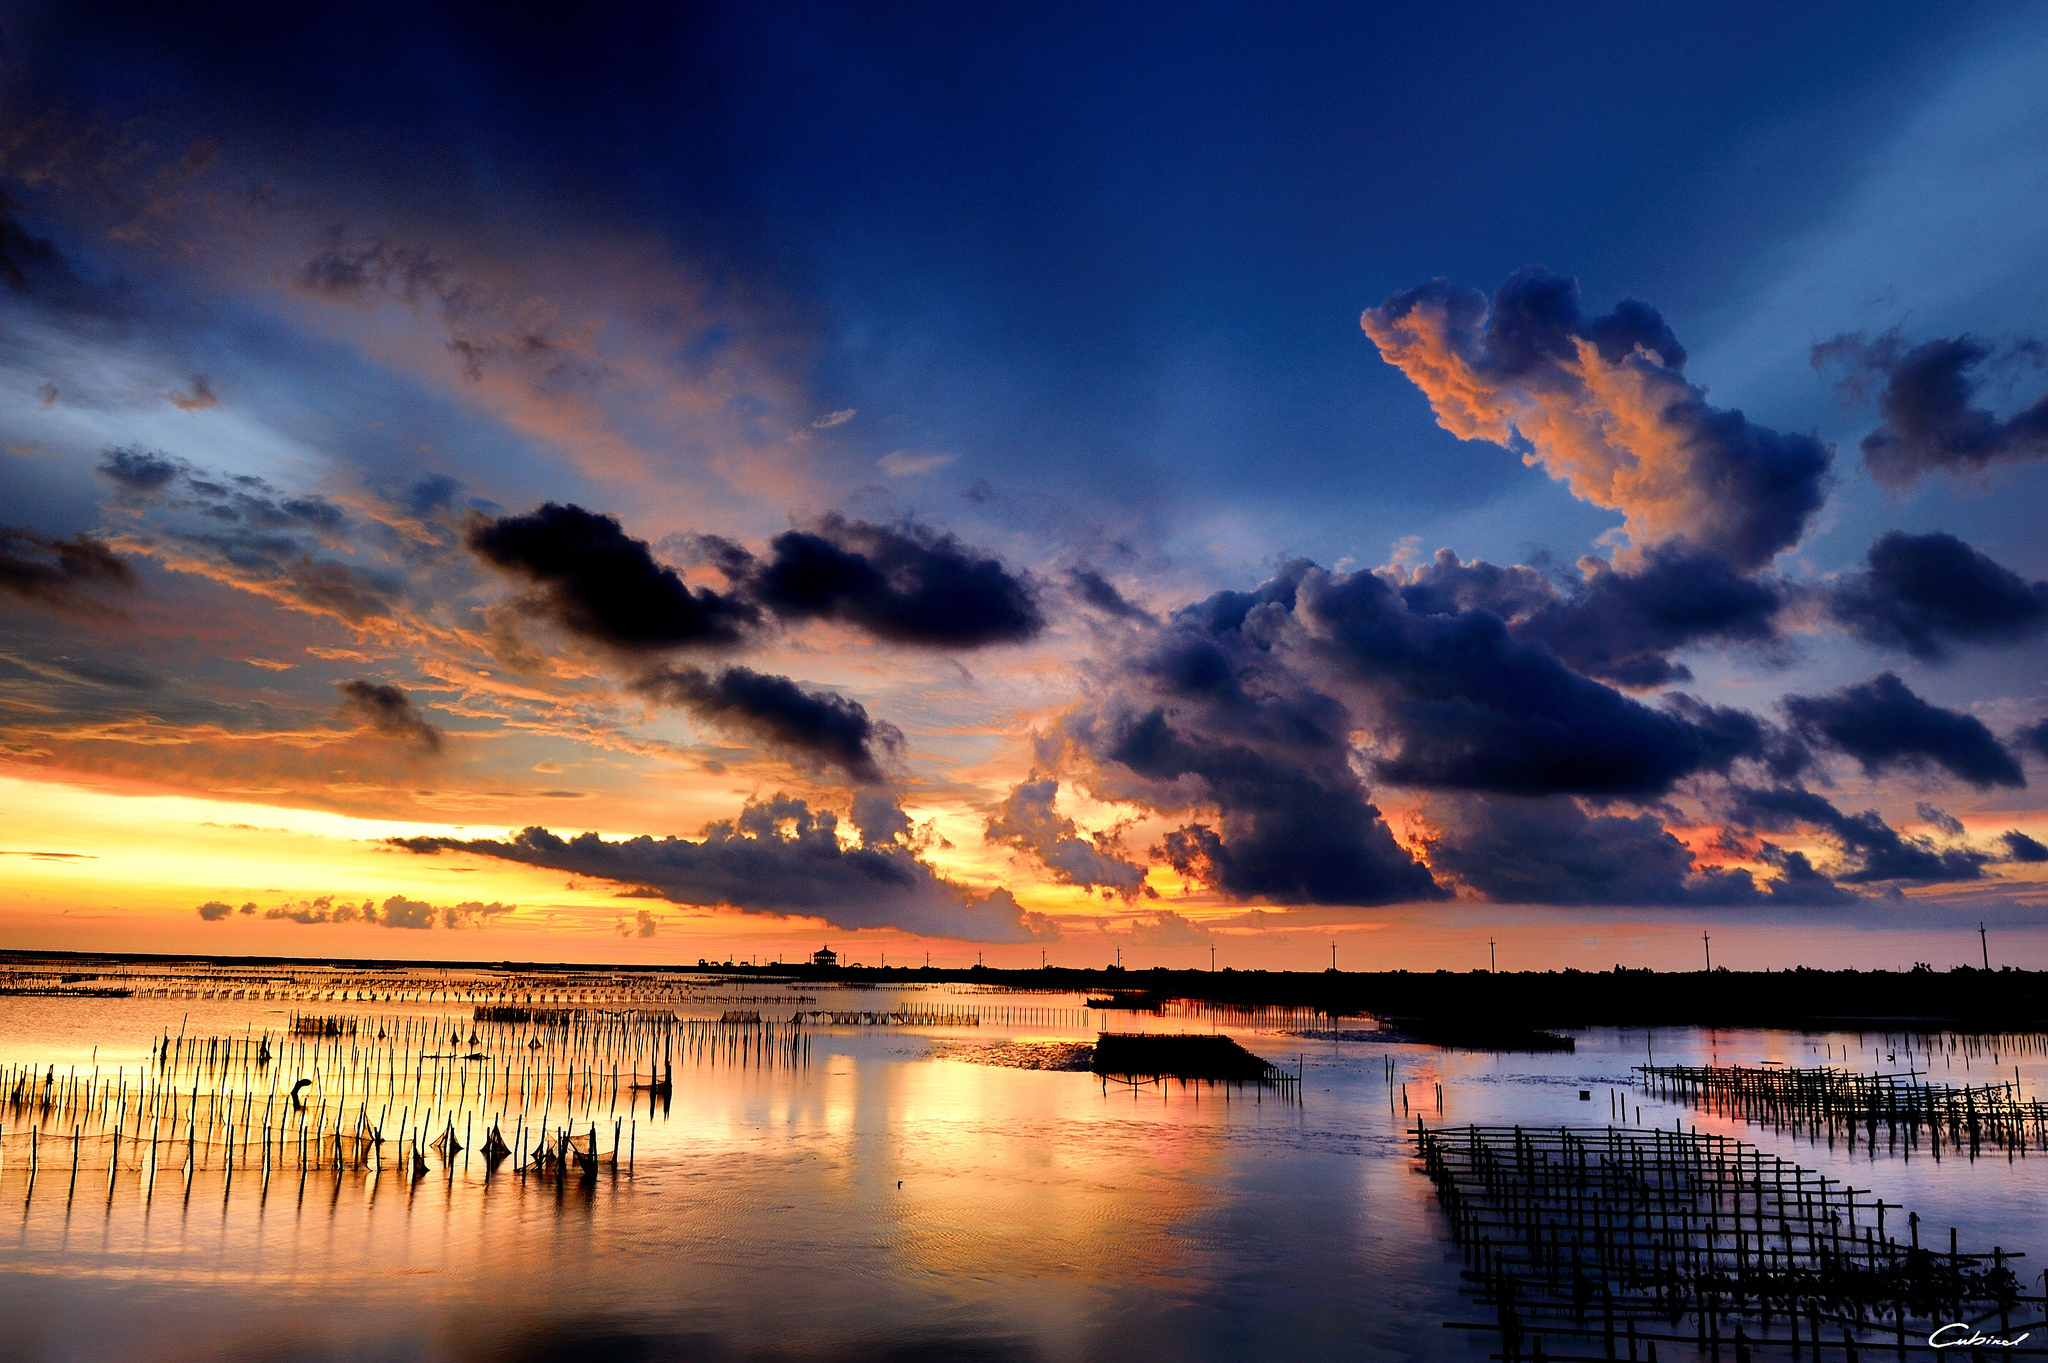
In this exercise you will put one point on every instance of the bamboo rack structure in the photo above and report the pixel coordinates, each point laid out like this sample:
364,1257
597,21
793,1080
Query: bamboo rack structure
1898,1113
373,1092
1602,1242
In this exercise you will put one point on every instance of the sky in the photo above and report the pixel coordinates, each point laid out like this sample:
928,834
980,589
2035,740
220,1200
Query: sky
1172,485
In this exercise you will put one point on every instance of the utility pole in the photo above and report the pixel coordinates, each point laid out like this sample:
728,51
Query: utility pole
1212,959
1984,942
1492,966
1119,958
1041,958
1708,942
1333,956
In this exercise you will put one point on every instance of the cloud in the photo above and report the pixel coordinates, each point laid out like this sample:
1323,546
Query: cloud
1871,849
1098,591
396,912
198,396
214,910
60,573
1025,822
1882,724
29,264
386,709
2033,737
1621,624
907,585
601,584
1925,593
831,419
909,463
811,726
400,912
140,470
2020,847
1207,717
1465,705
777,857
1551,851
1929,423
1601,404
1165,928
643,925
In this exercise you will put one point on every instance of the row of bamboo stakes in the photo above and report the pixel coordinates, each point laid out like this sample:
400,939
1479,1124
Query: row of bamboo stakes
333,1092
1826,1103
1617,1239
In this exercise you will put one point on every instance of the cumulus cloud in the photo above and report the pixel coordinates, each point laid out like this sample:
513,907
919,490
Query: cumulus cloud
1871,849
139,470
396,912
1209,716
1551,851
810,726
907,584
781,857
1930,422
600,583
1165,928
1928,593
1465,705
644,924
61,573
385,709
1883,725
1026,822
2020,847
1622,623
1602,404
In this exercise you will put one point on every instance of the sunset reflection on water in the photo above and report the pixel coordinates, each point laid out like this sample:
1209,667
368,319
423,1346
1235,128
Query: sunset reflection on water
889,1199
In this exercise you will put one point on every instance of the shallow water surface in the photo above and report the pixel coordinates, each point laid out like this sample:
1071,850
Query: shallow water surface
884,1196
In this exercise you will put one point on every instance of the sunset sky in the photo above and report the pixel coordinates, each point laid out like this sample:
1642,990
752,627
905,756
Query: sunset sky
1055,481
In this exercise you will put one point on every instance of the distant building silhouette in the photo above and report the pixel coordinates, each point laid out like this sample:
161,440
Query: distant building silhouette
825,956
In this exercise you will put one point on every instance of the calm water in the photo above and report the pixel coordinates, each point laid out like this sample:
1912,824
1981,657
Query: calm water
888,1199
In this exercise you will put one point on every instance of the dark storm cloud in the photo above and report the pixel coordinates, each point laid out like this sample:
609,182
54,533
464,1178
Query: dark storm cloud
1926,402
61,573
598,582
1621,624
908,585
2033,737
387,710
140,470
2020,847
1208,716
1882,724
1026,822
1470,707
778,857
812,726
1872,850
1551,851
1926,593
1602,404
